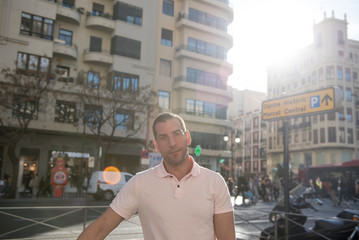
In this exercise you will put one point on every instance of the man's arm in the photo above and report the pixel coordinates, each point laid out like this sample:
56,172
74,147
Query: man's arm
224,226
102,226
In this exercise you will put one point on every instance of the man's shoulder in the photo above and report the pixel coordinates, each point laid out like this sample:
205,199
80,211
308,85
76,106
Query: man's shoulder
208,172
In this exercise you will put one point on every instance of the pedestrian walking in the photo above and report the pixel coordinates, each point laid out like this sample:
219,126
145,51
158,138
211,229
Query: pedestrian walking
176,199
276,187
268,189
334,190
34,184
242,188
318,187
356,183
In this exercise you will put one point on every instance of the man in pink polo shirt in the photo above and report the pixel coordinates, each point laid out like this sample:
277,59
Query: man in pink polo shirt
177,199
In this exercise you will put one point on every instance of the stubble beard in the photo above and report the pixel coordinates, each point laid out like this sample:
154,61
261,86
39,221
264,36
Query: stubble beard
177,160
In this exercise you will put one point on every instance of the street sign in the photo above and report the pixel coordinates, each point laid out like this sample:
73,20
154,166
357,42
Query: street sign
301,104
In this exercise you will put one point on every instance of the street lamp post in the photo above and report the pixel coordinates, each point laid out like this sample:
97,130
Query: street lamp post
234,139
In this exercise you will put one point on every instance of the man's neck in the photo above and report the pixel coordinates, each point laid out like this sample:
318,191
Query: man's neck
181,170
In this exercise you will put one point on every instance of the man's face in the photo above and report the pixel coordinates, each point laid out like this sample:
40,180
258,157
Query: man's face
172,142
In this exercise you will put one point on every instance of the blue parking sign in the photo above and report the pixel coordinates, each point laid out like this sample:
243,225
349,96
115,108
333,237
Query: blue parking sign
315,101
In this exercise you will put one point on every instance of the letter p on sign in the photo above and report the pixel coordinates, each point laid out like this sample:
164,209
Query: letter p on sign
315,101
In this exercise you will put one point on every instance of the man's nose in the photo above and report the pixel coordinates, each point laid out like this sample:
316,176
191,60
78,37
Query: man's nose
172,141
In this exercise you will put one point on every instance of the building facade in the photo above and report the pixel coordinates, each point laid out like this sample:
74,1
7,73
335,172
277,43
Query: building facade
332,60
177,48
250,153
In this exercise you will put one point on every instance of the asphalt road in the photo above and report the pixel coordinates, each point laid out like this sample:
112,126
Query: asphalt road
48,218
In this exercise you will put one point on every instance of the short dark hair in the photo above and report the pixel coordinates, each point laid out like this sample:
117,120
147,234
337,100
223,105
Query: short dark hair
164,117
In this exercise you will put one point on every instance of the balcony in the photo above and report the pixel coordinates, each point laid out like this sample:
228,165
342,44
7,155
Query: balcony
183,21
184,82
102,22
184,51
64,51
222,5
99,57
68,14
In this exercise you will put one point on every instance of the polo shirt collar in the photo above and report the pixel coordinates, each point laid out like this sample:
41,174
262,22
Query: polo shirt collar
161,170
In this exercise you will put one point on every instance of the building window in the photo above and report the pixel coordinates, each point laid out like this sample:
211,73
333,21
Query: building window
125,82
65,112
167,7
255,122
66,37
93,115
32,64
165,68
124,120
314,77
255,137
33,25
330,72
342,135
255,152
63,74
206,48
331,116
355,76
126,47
207,19
315,136
164,99
350,136
95,44
348,77
206,109
332,135
340,38
166,37
339,72
205,78
24,108
127,13
349,115
320,74
341,114
348,94
68,3
93,79
97,9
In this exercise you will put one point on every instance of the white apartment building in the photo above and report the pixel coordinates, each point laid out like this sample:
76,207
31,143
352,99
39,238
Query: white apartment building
178,48
332,60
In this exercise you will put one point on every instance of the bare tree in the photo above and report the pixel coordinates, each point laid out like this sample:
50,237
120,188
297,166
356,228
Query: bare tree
115,115
22,97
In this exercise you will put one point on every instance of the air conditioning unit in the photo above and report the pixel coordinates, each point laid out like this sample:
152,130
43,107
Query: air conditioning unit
59,41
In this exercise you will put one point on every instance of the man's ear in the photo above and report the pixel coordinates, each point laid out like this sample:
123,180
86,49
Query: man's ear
156,146
188,137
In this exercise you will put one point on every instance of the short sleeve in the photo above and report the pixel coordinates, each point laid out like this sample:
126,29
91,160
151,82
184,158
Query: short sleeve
222,199
125,203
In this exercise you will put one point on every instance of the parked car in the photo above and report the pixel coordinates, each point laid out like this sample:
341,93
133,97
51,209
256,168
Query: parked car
101,189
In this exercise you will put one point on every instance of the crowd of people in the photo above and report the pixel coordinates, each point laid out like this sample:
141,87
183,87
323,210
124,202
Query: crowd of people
260,186
263,187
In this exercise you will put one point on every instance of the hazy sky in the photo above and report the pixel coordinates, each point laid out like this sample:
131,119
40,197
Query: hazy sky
267,30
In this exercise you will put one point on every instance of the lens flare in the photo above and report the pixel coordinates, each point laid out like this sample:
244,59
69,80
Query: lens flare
111,175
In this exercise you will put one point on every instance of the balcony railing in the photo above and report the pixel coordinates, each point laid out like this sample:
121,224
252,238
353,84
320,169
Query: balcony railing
98,56
65,50
201,114
206,53
102,21
201,81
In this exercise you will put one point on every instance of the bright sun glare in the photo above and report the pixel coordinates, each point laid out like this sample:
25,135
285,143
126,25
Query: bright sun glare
266,32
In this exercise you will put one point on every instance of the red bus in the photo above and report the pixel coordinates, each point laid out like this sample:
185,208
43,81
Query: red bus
350,170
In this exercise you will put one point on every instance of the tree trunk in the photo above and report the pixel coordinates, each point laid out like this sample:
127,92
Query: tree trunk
11,151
